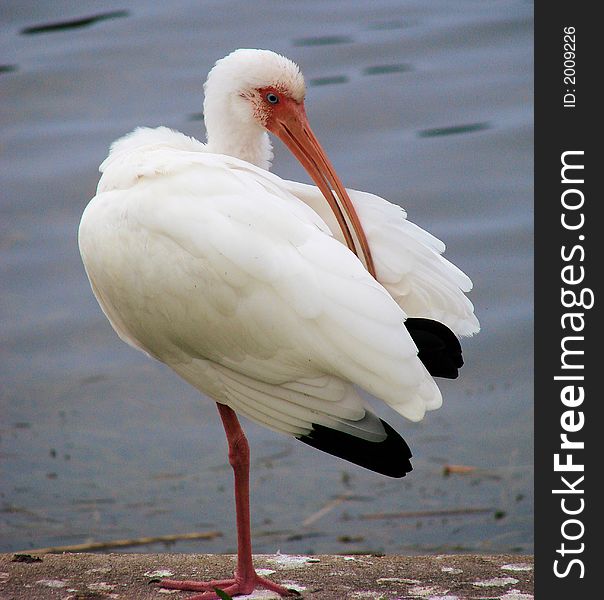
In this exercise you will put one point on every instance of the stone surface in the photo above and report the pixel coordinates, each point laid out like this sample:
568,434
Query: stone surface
322,577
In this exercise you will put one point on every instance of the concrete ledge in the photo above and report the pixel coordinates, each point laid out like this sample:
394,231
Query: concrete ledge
321,577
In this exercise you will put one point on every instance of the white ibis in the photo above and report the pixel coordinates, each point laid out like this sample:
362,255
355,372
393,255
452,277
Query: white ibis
276,299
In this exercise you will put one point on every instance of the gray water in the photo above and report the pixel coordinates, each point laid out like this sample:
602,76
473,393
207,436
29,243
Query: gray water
428,104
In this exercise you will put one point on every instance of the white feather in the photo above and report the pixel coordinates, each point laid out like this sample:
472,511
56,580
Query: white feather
239,286
241,281
408,260
231,128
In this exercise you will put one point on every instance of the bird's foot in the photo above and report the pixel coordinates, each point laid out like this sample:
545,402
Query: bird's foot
233,587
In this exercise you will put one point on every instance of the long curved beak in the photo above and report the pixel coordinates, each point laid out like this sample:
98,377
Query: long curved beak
292,128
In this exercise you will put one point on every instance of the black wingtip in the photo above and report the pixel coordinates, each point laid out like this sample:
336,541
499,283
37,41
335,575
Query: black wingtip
389,457
439,348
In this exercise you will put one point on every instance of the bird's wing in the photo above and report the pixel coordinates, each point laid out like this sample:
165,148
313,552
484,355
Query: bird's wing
215,270
408,260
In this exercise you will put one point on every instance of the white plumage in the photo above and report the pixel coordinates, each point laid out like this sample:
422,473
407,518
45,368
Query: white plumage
263,296
222,271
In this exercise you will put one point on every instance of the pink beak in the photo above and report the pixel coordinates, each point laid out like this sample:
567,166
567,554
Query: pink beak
290,124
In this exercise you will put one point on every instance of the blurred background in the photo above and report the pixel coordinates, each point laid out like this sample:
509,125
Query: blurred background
428,104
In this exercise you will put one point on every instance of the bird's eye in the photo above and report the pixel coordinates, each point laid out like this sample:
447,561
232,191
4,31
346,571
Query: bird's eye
272,98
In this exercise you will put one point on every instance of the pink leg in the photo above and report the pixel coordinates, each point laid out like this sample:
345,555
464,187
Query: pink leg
245,578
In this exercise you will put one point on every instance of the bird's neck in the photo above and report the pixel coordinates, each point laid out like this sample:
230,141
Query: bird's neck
227,134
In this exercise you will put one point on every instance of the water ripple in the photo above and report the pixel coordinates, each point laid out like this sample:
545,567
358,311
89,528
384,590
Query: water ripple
325,40
328,80
383,69
74,23
387,25
453,130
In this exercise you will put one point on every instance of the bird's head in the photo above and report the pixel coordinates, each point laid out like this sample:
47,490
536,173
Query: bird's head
261,90
255,85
